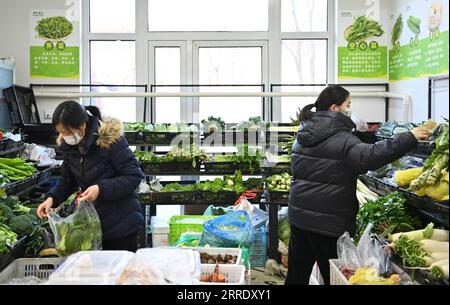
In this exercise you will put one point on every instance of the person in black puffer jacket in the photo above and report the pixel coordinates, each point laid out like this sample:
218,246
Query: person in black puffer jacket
98,160
326,161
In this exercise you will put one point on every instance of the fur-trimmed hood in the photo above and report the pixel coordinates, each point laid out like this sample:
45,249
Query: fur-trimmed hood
109,132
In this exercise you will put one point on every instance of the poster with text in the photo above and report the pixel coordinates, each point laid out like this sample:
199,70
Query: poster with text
362,44
419,40
54,48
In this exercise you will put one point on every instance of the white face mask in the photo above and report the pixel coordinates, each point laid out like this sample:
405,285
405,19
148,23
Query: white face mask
346,111
74,139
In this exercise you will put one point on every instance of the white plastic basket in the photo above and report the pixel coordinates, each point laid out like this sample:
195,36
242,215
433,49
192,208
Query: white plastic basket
91,267
41,268
336,276
222,251
234,274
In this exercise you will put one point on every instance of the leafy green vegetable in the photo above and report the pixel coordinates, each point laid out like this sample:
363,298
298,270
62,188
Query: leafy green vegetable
6,214
280,183
82,234
7,239
387,211
54,27
284,230
213,124
362,29
23,224
410,251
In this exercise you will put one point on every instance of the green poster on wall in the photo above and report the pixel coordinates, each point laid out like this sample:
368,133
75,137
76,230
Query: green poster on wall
362,43
420,58
366,63
54,49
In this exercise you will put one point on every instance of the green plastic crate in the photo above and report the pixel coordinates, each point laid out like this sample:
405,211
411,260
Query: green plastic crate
177,227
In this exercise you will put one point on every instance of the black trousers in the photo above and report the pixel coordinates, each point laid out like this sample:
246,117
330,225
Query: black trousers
305,249
128,243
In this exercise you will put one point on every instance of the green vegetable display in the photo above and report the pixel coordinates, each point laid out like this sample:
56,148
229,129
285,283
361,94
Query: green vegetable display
410,251
231,183
82,234
284,230
362,29
6,214
213,124
246,157
16,206
397,30
23,224
16,169
54,28
280,183
388,213
176,154
147,127
414,24
436,164
7,239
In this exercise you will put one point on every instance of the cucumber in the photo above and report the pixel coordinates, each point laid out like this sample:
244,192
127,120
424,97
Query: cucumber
413,27
416,21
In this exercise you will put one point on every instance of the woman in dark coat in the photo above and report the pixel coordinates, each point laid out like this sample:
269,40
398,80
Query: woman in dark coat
326,161
98,160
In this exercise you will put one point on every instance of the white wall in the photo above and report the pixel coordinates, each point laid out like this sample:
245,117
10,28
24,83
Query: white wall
15,41
416,88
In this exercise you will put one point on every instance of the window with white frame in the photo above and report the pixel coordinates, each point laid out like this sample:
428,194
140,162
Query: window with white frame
299,50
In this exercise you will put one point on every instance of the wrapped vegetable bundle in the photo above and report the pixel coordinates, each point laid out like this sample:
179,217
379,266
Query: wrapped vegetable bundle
435,170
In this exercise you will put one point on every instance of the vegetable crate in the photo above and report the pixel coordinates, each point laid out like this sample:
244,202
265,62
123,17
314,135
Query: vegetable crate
223,168
159,138
168,168
41,268
222,197
259,247
9,147
168,197
279,197
336,276
23,185
185,223
277,169
221,251
233,137
234,274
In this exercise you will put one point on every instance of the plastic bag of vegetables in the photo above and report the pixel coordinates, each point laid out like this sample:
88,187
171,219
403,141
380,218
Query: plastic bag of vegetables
80,231
231,230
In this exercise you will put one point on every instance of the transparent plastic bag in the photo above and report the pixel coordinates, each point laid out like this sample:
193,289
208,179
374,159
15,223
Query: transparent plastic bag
242,204
368,253
228,231
162,266
80,231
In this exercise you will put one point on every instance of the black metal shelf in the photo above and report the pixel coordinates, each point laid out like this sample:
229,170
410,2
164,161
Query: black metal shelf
26,185
8,147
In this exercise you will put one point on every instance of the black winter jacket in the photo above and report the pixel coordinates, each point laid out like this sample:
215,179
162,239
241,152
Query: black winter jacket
104,158
326,161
